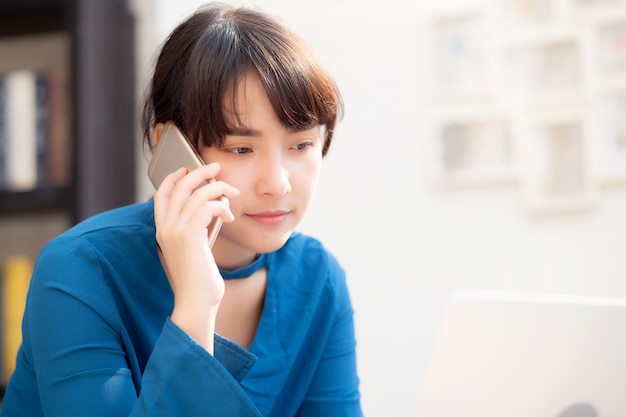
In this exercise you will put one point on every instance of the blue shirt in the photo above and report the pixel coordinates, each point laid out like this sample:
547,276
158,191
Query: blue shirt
97,339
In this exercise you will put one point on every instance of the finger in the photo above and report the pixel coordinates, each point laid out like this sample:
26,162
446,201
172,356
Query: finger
197,177
204,214
194,179
217,191
177,230
163,193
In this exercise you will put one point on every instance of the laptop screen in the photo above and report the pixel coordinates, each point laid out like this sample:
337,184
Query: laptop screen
509,354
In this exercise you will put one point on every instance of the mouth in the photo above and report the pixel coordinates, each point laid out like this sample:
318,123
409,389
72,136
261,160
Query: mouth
270,217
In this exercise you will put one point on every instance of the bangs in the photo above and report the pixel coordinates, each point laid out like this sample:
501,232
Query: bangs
301,92
229,46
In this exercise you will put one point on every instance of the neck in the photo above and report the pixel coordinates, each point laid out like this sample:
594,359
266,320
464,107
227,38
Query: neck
229,255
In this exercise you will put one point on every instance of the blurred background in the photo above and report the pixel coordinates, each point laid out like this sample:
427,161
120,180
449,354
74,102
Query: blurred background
483,146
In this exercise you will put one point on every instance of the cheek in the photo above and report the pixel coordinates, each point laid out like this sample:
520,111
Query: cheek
227,173
234,178
305,175
303,172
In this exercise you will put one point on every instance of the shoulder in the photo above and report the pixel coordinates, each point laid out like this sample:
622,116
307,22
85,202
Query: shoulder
88,259
114,234
134,216
120,226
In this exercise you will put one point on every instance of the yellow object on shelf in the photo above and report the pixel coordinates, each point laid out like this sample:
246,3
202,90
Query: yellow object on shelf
17,271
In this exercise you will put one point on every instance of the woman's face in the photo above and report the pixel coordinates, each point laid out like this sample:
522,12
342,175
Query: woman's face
275,169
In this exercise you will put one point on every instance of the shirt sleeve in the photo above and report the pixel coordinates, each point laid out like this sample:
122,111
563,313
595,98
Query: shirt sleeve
183,379
81,364
334,391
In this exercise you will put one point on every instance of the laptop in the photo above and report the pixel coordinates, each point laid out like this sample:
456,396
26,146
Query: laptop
510,354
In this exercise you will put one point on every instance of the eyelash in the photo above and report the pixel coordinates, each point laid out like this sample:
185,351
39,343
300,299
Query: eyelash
303,146
242,150
237,150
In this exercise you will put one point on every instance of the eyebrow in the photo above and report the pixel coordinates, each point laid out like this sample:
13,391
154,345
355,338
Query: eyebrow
243,131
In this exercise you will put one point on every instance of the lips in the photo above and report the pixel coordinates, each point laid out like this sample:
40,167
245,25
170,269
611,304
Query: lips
270,217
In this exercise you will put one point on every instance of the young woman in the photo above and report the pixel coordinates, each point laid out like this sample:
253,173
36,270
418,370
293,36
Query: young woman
130,313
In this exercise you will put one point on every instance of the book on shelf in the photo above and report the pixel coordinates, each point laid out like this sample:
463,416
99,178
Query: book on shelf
2,134
16,274
35,134
41,127
59,146
21,130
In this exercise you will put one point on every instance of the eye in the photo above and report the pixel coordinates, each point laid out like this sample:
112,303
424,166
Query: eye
239,150
303,146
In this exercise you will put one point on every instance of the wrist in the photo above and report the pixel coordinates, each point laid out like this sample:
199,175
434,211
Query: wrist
197,321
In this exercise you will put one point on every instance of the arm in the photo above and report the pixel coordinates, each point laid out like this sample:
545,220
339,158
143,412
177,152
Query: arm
82,357
183,209
204,388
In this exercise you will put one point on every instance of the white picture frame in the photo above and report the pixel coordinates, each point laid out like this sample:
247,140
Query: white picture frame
557,163
609,46
585,11
526,14
461,59
610,134
545,67
474,146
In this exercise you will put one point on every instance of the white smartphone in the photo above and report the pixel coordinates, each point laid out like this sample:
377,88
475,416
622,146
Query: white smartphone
172,152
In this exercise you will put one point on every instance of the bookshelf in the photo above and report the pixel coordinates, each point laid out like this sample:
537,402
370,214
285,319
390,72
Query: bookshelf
89,166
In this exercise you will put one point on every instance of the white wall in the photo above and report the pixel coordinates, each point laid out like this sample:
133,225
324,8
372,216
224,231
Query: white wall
405,245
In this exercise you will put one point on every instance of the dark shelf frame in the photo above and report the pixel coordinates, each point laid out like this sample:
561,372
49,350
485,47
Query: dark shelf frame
37,200
104,128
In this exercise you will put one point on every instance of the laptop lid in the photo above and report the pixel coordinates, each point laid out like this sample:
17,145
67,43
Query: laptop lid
508,354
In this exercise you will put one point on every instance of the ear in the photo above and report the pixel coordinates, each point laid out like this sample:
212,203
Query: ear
158,129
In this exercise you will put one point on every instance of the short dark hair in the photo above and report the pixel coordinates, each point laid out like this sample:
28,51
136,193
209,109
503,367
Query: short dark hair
203,59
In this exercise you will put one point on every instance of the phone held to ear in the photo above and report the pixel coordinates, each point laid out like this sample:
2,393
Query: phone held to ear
172,152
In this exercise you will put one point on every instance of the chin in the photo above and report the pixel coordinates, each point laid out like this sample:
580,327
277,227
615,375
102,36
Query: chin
266,244
254,240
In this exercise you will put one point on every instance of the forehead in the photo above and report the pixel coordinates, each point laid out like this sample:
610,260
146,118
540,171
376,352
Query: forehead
247,100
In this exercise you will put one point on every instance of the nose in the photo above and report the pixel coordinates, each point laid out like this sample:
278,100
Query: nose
273,177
